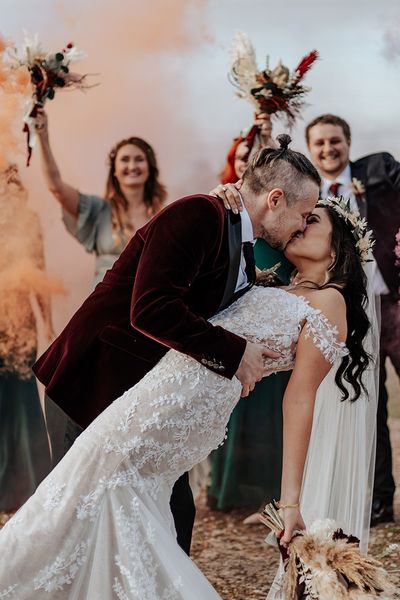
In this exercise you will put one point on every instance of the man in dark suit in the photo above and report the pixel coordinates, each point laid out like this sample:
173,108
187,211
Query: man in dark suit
187,263
372,184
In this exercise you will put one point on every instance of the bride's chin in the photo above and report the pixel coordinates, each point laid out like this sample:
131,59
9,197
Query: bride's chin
290,251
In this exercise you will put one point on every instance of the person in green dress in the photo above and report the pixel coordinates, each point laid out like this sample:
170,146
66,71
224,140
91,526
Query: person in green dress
246,469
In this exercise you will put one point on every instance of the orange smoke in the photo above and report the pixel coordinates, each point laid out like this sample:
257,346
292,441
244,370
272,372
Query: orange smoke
22,276
144,54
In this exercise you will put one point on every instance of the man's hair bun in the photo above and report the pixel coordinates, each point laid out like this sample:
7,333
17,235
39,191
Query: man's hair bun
284,140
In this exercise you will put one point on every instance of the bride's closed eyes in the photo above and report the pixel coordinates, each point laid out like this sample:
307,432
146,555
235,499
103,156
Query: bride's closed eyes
313,218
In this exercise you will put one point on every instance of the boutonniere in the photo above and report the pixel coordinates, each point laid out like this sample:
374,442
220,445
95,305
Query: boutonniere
268,277
357,187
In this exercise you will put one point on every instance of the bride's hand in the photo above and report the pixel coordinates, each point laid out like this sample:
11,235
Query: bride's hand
293,522
229,195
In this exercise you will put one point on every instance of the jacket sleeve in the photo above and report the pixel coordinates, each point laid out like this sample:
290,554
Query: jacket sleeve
392,170
184,239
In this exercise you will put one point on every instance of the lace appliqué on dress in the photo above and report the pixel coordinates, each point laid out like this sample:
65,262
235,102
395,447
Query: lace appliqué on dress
138,541
62,571
54,495
9,592
324,336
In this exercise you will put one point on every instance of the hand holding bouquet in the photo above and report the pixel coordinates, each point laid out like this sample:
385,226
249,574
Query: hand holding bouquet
48,72
323,563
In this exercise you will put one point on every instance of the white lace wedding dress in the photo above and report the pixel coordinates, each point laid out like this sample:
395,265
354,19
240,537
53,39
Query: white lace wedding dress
99,527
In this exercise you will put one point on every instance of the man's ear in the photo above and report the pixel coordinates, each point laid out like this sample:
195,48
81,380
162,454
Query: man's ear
276,199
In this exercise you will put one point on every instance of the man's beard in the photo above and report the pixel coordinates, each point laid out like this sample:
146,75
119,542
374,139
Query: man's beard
272,238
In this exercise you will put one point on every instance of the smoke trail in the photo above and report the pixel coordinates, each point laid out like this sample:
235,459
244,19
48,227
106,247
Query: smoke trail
143,52
21,275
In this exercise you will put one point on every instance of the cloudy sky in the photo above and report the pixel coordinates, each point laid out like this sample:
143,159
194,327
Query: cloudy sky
162,67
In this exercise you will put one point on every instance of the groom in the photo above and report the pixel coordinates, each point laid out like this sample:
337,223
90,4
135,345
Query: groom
187,263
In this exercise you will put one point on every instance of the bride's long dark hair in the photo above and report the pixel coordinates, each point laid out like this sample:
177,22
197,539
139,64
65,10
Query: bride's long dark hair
347,275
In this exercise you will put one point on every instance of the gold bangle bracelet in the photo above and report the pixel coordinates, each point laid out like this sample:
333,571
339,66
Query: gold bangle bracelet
280,505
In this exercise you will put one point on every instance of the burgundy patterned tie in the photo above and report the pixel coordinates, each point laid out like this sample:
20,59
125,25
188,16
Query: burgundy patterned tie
333,189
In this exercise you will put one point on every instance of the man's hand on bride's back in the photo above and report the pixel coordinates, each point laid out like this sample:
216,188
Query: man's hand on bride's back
251,368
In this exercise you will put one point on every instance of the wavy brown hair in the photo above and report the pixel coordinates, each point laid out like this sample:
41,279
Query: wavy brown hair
154,191
347,275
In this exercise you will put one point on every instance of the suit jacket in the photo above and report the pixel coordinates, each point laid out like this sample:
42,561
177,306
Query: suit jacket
158,295
380,175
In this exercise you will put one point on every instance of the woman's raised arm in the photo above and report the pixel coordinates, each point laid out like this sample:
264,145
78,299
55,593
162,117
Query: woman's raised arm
67,196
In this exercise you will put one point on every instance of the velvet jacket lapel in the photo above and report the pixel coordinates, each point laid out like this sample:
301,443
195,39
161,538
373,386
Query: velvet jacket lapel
233,223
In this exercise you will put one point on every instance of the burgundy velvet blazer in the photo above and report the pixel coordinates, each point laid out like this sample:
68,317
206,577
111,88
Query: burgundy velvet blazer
158,295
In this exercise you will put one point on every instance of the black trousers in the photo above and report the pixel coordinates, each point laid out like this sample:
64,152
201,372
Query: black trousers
63,432
384,485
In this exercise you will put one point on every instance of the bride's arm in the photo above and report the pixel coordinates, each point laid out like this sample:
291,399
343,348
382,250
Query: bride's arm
298,404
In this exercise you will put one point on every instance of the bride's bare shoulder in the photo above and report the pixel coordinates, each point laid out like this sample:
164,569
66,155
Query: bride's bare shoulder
331,303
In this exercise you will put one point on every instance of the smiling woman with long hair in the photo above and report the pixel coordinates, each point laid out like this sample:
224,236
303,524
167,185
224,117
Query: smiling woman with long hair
132,197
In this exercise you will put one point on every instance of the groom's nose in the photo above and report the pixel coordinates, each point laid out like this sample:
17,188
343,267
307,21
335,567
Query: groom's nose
303,225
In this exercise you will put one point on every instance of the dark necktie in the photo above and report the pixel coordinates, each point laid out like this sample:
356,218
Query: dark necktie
333,189
250,269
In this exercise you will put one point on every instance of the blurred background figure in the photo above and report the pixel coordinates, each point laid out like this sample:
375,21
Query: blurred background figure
246,469
25,316
133,195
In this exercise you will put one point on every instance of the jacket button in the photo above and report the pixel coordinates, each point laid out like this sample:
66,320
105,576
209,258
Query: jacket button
204,361
221,368
210,363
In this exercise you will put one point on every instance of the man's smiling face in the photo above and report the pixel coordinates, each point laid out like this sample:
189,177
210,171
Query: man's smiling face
329,149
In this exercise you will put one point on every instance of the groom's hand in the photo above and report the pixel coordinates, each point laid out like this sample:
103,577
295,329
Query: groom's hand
251,368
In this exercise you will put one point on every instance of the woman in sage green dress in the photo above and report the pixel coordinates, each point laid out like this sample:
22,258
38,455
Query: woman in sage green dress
246,469
132,197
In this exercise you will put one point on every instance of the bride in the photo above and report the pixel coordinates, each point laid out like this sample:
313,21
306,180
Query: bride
100,526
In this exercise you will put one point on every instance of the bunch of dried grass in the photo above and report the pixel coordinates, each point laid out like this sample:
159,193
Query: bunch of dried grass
323,563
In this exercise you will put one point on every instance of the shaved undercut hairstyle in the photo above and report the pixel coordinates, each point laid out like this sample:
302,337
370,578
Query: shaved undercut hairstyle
281,168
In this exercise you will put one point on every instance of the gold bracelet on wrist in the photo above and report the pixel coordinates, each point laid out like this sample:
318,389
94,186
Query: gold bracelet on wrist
295,505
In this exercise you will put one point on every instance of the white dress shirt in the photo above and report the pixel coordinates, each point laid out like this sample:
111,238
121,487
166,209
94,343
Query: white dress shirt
345,189
247,236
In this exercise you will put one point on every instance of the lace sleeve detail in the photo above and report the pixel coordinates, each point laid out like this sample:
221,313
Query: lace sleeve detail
324,336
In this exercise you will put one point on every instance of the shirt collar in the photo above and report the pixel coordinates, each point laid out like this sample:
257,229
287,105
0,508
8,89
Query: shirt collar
247,227
344,178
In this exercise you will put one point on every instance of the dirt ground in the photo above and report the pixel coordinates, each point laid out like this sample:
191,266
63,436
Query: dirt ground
241,566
